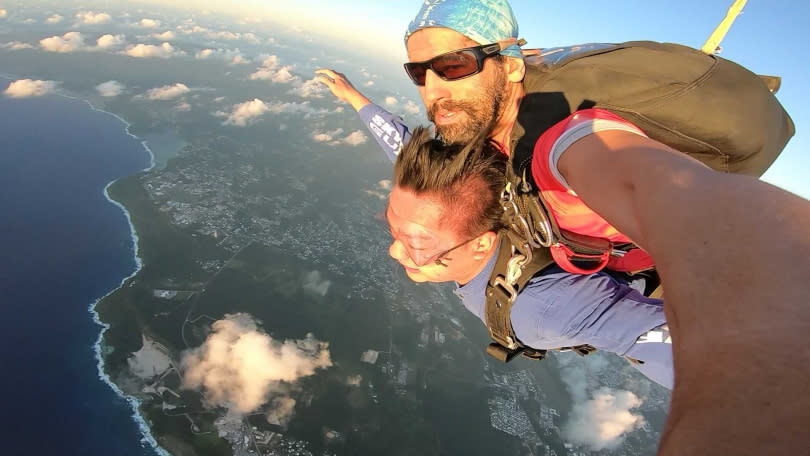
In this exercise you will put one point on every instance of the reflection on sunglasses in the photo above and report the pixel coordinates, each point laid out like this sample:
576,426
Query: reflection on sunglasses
458,64
453,65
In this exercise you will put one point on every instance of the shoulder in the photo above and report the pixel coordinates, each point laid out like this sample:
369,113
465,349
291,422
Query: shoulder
556,140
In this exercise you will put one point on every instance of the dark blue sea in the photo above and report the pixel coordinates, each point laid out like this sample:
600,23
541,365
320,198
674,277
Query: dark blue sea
63,246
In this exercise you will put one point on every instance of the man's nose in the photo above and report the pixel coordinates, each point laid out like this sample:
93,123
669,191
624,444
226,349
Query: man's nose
435,88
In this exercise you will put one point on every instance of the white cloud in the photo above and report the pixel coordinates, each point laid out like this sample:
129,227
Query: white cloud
326,136
54,19
110,41
187,29
315,284
390,101
369,83
168,35
69,42
23,88
234,57
355,138
334,138
278,75
110,88
281,410
309,89
167,92
149,23
164,51
304,108
3,13
241,368
270,61
223,35
244,114
385,184
411,107
182,107
233,36
271,70
603,421
16,45
239,59
91,18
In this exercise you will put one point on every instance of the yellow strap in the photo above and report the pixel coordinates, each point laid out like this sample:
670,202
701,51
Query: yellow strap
711,45
658,293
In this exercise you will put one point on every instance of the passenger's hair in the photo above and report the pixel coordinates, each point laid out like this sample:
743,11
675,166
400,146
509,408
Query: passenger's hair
467,180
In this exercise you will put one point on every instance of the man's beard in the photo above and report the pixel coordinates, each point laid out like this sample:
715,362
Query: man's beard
482,114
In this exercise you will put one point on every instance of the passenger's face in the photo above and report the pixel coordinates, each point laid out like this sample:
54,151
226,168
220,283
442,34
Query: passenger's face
461,108
420,232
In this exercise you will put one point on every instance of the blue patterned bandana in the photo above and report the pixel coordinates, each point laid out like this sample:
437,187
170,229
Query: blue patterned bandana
483,21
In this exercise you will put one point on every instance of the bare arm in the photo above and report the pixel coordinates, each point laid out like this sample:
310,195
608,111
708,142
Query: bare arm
734,255
341,88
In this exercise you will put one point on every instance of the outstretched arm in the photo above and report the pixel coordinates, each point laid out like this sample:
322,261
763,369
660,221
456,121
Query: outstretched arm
734,256
388,130
341,88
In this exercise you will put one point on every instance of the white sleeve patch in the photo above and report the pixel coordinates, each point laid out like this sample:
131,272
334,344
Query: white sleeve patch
657,335
578,131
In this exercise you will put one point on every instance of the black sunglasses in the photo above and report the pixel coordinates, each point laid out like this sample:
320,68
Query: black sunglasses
453,65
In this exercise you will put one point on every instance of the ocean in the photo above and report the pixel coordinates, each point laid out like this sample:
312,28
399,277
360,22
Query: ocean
64,246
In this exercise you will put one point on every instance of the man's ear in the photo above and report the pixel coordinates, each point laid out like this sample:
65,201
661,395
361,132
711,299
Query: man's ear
484,243
515,69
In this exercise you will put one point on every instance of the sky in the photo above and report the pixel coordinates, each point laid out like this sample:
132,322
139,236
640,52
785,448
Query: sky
765,38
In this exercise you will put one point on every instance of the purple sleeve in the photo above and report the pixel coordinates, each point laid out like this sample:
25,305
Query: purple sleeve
388,130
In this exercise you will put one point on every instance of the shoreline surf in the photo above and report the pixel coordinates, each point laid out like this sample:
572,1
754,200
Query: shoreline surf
134,403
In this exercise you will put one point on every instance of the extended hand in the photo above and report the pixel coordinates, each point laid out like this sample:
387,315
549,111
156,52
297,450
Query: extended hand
341,88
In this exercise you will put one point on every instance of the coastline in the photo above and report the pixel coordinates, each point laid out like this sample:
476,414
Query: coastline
146,434
134,403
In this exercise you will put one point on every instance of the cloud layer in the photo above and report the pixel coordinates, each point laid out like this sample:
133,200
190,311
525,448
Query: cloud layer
244,114
141,50
272,70
336,137
91,18
167,92
69,42
110,41
23,88
110,88
241,368
603,421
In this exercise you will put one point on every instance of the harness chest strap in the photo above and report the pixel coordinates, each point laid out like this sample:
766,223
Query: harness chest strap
512,271
523,252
